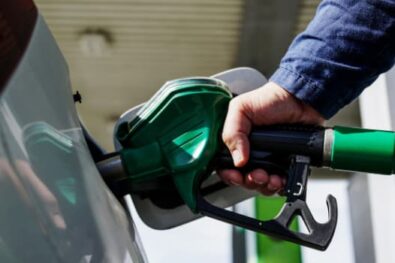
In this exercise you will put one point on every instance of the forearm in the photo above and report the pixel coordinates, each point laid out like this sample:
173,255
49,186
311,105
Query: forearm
342,51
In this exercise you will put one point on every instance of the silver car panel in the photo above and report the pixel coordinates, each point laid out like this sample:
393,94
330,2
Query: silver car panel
54,205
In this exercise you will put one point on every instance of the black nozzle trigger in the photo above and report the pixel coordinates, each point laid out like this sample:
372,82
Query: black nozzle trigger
320,234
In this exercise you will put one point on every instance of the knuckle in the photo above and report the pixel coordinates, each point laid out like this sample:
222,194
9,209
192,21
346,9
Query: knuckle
234,104
227,136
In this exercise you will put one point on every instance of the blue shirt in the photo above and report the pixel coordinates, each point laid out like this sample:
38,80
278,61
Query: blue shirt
341,52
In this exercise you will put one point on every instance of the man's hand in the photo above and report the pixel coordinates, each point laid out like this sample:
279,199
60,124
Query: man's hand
267,105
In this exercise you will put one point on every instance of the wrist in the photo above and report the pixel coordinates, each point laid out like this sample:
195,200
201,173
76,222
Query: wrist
304,113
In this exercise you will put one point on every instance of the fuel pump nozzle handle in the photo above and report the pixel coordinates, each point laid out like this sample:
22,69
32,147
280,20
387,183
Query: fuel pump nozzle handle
341,148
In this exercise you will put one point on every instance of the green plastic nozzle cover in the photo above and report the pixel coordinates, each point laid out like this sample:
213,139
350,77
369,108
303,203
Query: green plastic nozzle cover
364,150
166,140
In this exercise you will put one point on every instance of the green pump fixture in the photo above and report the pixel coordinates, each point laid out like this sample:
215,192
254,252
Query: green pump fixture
174,144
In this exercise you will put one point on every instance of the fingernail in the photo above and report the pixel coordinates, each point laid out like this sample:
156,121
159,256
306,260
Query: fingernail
234,183
271,188
236,157
257,181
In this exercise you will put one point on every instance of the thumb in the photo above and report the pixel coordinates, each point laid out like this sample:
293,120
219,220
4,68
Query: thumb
235,133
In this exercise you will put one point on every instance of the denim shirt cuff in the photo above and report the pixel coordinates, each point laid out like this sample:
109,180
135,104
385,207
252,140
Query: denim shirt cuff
308,91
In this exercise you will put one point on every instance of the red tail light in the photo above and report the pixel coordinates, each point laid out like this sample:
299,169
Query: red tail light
17,20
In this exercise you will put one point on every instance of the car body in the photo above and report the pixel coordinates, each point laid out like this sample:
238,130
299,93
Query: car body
55,206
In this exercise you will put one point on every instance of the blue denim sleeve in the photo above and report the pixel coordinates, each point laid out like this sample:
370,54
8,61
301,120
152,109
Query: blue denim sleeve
341,52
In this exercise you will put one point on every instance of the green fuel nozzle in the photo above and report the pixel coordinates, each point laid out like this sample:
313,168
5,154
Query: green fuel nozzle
363,150
174,144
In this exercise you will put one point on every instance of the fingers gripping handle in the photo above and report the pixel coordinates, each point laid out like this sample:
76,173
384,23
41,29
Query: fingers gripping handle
271,147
